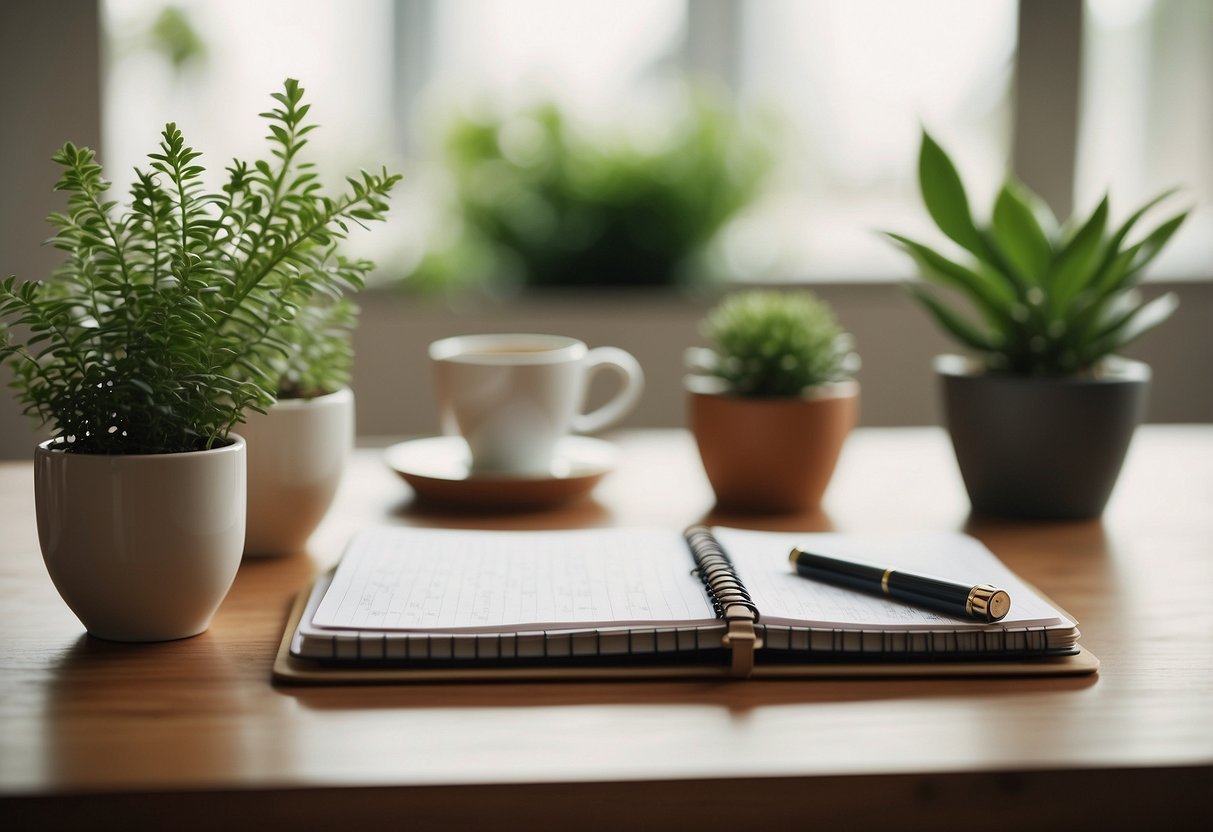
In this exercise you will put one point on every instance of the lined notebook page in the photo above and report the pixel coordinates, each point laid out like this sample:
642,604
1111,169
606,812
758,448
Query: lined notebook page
785,598
439,580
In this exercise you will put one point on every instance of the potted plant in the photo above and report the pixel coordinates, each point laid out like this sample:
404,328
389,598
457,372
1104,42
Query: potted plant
772,400
298,446
145,349
544,202
1041,419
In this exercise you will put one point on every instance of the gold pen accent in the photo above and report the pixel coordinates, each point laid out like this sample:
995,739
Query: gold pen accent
884,581
988,602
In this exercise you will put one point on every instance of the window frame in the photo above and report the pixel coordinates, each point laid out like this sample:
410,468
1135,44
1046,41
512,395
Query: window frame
1047,72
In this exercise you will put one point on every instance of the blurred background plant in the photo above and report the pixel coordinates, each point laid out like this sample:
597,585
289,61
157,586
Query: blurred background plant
320,355
169,33
174,36
541,201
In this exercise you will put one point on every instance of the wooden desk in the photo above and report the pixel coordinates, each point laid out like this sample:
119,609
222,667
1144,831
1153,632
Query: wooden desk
191,734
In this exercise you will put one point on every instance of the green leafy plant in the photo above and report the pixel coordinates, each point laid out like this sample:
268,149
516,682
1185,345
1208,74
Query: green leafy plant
544,204
769,343
168,317
1048,300
174,35
320,355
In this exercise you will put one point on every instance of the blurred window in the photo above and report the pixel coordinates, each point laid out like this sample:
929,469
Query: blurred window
591,56
210,66
856,80
1146,121
851,80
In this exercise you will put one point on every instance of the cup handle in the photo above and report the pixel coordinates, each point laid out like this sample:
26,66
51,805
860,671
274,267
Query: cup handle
630,375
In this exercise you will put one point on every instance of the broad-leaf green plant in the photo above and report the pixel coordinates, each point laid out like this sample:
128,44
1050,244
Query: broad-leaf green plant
165,322
1045,300
772,343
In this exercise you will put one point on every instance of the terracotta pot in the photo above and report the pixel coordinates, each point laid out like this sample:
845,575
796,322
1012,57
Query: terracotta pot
296,452
772,455
1041,447
141,547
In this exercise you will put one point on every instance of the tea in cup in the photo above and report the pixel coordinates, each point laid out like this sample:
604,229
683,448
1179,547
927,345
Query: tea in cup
514,397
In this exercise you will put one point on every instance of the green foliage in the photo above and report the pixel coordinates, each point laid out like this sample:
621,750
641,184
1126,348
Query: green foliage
768,343
1048,300
545,205
173,35
320,354
167,318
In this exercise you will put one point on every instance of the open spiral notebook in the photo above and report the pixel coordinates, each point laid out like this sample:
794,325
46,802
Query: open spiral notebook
418,604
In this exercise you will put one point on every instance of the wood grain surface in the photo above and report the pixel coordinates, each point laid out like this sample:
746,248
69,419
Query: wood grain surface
196,729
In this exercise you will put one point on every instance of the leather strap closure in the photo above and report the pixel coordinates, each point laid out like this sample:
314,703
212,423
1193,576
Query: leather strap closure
741,640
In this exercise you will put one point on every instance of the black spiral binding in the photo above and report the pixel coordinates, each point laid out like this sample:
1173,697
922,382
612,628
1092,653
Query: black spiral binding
714,568
730,598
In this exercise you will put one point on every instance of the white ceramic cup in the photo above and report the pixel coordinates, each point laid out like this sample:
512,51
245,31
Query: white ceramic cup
513,397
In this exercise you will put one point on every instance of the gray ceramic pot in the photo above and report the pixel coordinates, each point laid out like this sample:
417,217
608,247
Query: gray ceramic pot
1041,448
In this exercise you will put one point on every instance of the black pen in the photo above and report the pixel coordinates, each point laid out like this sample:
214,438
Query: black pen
983,602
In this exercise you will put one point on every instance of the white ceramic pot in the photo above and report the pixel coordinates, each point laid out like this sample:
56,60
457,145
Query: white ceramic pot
296,453
142,547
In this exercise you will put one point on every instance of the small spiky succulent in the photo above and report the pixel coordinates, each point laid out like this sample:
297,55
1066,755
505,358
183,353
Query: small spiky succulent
771,343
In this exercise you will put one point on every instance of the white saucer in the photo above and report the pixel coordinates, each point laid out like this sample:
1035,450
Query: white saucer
439,470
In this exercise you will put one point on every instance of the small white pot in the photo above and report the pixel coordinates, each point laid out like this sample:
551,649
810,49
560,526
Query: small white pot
296,453
142,547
